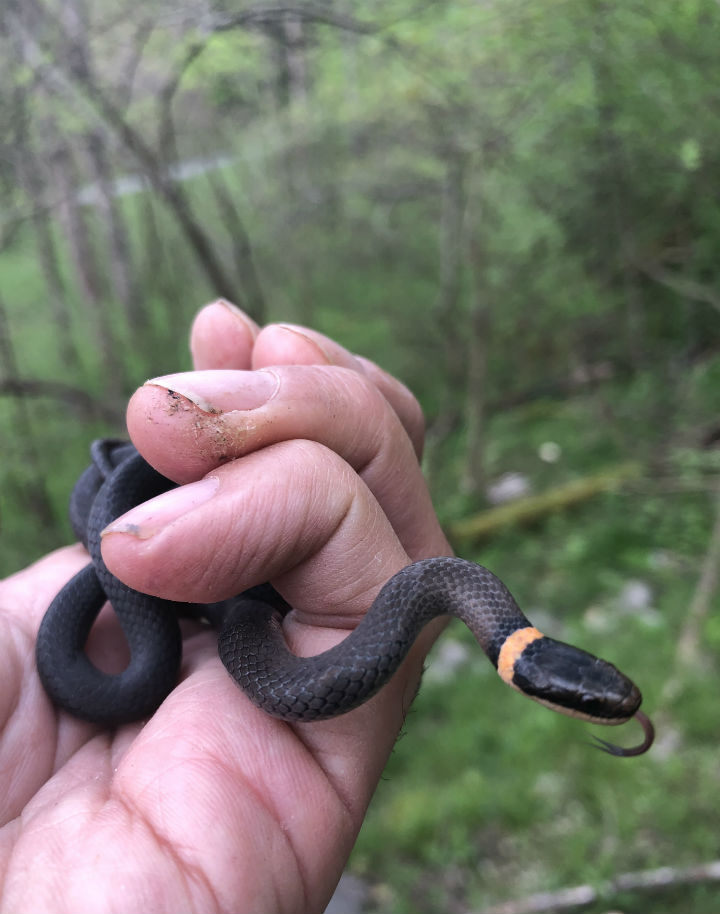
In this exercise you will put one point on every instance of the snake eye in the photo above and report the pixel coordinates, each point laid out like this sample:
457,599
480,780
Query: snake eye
577,682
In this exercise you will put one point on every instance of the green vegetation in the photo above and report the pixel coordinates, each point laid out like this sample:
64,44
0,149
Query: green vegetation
513,208
488,797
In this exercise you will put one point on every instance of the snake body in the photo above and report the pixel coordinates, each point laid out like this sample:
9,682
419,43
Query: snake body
251,643
117,479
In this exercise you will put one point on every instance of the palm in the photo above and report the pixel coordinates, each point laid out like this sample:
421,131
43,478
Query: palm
209,786
211,805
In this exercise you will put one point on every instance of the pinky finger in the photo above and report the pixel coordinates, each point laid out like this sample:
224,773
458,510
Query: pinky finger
222,336
402,401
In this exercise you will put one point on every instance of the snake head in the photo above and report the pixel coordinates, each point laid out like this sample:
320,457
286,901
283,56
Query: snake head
574,682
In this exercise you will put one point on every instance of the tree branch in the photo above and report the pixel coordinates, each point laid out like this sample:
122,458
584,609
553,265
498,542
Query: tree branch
688,651
666,877
129,68
688,288
74,397
91,96
166,134
307,12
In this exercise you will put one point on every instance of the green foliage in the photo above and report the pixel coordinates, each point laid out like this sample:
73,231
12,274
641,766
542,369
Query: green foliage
585,139
512,795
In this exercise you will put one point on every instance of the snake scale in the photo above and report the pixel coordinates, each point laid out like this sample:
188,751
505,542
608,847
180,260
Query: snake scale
251,643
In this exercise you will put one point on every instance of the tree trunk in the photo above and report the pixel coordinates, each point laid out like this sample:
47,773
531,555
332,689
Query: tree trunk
77,80
449,322
248,279
473,479
84,258
32,494
616,247
120,268
29,170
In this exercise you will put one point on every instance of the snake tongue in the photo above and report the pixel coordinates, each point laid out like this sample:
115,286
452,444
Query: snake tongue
573,680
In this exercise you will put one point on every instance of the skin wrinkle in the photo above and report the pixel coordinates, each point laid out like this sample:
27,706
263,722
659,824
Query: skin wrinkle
269,804
310,511
273,813
359,600
400,400
349,808
323,619
17,633
297,542
301,539
10,837
27,820
210,758
76,769
383,470
72,736
187,870
23,694
376,449
333,785
119,745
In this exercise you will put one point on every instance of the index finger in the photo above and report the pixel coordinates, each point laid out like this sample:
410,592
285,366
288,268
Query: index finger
186,425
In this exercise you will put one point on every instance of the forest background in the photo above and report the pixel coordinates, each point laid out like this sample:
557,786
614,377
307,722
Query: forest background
513,206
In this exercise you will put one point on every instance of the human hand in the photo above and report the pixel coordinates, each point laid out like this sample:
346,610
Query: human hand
211,805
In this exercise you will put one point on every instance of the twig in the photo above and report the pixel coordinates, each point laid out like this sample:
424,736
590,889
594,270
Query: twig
688,642
685,286
73,397
534,507
666,877
308,12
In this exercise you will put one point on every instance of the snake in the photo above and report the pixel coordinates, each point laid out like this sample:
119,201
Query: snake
252,647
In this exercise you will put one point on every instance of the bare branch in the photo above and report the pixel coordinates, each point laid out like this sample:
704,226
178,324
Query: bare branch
307,12
666,877
689,641
129,68
688,651
166,138
74,397
90,95
688,288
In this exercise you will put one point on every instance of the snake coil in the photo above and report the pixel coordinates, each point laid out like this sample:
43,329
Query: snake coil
251,643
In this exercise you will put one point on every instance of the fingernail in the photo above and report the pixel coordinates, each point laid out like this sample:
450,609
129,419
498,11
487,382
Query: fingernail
298,331
218,391
239,314
154,515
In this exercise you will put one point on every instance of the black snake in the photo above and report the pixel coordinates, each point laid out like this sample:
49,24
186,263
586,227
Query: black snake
251,643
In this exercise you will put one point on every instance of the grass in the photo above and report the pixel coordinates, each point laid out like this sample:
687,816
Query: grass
486,796
489,797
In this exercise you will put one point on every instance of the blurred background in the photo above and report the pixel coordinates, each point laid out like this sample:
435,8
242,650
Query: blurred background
511,205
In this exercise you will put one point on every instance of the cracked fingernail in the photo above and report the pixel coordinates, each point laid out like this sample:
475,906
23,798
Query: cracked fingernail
154,515
221,390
